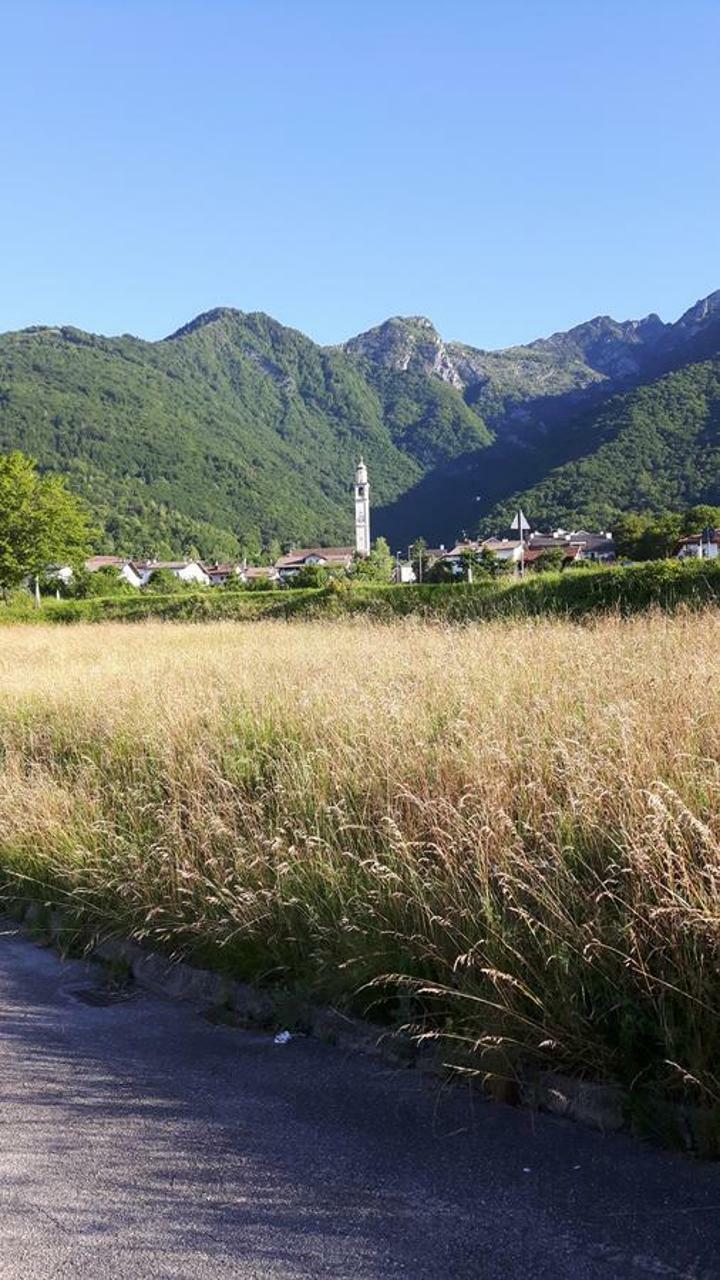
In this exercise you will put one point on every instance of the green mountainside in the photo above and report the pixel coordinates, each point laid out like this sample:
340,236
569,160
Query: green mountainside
237,430
233,431
654,449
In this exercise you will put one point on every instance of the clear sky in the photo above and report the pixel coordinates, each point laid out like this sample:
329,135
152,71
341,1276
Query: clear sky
506,167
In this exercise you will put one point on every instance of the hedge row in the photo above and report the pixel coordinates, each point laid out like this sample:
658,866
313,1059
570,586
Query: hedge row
625,589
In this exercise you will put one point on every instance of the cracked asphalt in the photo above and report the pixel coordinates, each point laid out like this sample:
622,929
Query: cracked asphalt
140,1141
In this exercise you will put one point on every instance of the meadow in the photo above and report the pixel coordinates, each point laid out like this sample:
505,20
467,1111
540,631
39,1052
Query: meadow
505,834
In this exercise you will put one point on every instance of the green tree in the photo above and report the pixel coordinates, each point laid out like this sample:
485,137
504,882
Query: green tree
550,558
701,517
164,582
419,559
490,565
660,537
41,522
378,565
310,575
103,582
274,551
646,537
441,571
628,529
468,563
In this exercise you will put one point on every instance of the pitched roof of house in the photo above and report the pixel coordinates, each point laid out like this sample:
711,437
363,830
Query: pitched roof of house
592,541
149,566
693,539
294,559
459,547
93,563
260,571
549,540
568,552
500,544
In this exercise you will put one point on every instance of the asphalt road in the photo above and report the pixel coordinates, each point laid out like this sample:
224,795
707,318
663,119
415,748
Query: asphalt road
140,1141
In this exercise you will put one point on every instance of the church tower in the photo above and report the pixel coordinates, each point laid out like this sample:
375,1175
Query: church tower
362,510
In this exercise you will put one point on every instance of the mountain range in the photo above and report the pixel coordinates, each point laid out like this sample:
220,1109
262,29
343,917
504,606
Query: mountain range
236,430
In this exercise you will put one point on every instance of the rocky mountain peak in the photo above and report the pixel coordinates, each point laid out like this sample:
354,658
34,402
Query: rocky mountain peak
700,314
611,348
407,343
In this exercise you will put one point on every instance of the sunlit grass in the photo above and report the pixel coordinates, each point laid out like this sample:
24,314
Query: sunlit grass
520,822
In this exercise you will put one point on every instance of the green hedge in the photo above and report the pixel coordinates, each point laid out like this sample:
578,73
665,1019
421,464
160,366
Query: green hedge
625,589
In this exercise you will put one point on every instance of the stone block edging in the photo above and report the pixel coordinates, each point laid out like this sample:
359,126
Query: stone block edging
599,1106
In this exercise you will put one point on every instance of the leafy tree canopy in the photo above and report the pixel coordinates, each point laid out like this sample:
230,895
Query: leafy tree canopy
378,565
41,522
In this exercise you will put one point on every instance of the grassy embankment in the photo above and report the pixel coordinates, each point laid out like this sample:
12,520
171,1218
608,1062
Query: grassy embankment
576,593
513,830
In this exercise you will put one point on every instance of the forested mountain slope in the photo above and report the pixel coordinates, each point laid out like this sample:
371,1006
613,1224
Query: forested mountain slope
233,431
653,449
236,430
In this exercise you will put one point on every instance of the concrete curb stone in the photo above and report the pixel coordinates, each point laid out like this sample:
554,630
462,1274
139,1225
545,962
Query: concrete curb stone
599,1106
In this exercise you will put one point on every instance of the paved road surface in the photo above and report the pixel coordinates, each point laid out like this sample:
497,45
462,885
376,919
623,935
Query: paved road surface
140,1142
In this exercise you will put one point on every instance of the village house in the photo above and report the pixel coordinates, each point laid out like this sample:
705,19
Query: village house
94,563
327,557
576,545
183,570
598,547
569,555
259,573
131,574
504,548
219,574
64,573
698,546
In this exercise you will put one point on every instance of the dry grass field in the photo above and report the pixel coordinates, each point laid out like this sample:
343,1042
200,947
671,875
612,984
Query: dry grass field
506,833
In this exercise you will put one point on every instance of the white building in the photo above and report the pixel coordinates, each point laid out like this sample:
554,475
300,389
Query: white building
403,572
259,573
184,570
503,548
699,546
599,547
130,573
218,574
362,510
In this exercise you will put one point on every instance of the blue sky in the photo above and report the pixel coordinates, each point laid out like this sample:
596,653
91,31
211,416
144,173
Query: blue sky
507,167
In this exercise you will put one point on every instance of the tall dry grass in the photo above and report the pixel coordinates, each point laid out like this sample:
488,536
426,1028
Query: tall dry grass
508,833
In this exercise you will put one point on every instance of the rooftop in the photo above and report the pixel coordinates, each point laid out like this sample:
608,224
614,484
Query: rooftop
298,557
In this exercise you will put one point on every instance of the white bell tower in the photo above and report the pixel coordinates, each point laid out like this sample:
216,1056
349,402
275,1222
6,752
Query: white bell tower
362,510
